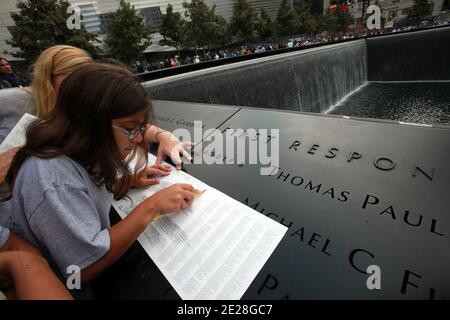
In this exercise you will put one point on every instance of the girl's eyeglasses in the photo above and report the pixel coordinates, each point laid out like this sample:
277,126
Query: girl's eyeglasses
133,133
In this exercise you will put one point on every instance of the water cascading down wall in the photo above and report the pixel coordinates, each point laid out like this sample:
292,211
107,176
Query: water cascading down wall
313,80
309,80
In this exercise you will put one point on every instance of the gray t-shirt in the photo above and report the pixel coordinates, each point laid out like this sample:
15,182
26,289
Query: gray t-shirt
4,235
5,209
14,103
59,209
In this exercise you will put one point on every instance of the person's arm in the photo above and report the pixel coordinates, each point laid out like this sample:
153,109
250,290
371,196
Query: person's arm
31,277
15,243
152,134
123,234
5,162
168,145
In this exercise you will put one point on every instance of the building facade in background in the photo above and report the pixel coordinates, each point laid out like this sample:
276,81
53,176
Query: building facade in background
390,9
96,11
225,7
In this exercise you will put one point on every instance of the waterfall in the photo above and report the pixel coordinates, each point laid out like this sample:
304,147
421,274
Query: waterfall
310,80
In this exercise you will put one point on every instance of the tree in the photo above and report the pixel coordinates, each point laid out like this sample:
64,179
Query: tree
327,22
264,26
221,31
216,30
421,8
197,14
172,29
336,19
243,21
126,34
203,26
307,23
41,24
286,20
344,18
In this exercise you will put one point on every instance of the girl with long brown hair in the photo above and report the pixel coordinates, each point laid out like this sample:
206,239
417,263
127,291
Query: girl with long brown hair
52,66
74,163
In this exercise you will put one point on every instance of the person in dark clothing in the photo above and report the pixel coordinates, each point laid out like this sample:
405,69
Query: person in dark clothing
7,78
139,67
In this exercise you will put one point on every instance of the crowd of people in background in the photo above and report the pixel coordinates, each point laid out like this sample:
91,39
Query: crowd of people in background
175,60
222,53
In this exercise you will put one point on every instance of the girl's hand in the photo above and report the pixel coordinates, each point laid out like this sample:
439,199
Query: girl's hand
5,162
170,146
173,199
147,176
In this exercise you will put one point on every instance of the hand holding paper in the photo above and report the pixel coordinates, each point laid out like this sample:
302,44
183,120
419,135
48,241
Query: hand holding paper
214,248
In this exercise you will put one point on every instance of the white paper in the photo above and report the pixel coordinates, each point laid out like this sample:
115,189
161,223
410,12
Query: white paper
212,250
17,136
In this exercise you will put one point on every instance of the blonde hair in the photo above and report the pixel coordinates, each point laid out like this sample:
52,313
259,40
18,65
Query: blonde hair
54,61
